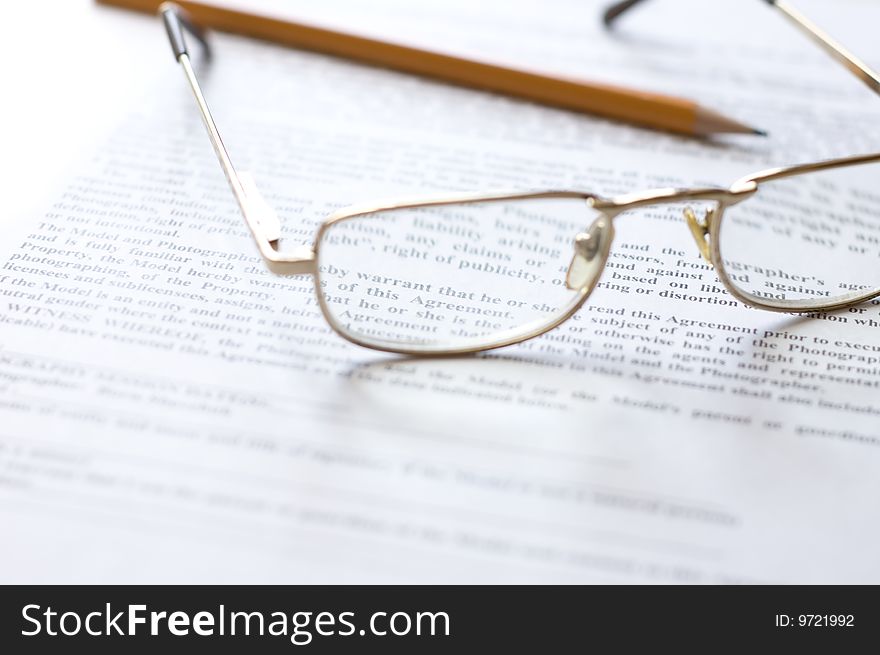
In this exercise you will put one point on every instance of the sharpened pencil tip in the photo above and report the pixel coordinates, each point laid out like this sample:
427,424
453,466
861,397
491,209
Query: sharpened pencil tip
707,121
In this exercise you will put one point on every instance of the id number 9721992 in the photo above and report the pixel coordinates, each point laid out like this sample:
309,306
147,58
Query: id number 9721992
815,620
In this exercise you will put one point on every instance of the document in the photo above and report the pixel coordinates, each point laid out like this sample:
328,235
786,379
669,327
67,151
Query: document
170,411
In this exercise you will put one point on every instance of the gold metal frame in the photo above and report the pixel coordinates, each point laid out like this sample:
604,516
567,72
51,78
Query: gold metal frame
304,260
507,338
819,36
768,175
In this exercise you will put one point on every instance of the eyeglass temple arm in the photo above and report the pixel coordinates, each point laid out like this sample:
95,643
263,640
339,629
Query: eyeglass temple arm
855,65
258,215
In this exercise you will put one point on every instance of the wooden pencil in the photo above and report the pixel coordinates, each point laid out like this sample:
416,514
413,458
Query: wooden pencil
652,110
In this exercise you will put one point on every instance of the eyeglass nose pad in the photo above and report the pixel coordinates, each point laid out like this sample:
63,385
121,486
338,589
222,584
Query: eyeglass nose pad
590,250
700,230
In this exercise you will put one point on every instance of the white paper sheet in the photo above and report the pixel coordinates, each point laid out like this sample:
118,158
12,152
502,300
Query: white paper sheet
171,412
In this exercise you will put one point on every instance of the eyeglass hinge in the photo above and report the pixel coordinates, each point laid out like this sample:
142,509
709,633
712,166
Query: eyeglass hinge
259,210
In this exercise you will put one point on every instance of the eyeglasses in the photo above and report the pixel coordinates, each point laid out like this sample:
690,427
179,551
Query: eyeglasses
466,273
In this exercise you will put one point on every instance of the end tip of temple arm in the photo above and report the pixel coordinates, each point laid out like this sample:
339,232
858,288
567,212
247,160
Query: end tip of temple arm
612,12
176,20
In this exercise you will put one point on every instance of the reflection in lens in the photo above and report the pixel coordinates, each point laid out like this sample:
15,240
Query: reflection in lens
809,239
452,276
